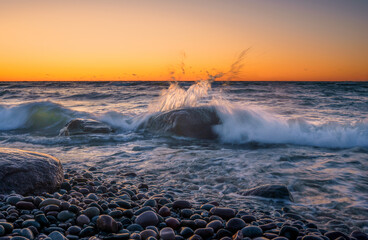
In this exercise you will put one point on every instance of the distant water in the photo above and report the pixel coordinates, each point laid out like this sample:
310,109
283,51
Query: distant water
312,137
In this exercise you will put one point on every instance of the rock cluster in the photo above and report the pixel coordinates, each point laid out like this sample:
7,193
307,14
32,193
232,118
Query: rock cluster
87,207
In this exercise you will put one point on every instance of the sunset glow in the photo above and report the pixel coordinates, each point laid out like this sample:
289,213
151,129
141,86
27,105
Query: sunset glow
158,40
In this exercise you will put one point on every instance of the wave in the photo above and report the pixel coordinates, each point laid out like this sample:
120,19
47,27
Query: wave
43,115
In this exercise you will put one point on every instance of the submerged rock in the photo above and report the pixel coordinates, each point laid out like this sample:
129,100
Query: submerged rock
270,191
84,126
28,172
196,122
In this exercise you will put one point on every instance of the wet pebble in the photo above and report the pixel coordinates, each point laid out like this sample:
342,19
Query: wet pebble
167,233
148,218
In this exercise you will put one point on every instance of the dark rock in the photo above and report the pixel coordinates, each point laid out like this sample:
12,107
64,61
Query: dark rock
312,237
74,230
223,233
50,201
359,235
235,224
84,126
148,218
186,232
204,232
135,227
82,220
181,204
195,122
268,226
334,235
215,225
289,232
25,205
164,211
28,172
27,233
65,215
195,237
225,213
107,224
148,233
248,218
91,212
252,231
167,233
86,232
172,222
270,191
57,236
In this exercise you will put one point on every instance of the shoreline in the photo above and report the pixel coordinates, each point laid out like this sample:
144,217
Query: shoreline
88,206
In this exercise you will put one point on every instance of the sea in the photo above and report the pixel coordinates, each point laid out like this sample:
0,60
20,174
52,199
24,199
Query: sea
310,136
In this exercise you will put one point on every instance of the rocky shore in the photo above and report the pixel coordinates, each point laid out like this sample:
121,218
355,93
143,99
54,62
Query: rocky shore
89,207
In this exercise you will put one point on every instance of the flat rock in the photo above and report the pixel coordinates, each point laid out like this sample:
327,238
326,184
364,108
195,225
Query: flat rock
84,126
27,172
270,191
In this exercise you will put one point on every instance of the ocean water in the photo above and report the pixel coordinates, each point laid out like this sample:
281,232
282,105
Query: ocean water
311,137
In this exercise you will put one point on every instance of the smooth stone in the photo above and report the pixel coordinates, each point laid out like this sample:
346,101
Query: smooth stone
225,213
289,232
50,201
335,234
86,232
91,212
116,214
235,224
167,233
31,222
13,200
7,226
107,223
252,231
151,203
195,237
172,222
118,236
2,231
84,126
223,233
66,186
268,226
124,204
207,206
359,235
312,237
181,204
148,233
186,232
55,235
270,191
25,205
82,220
27,172
186,213
248,218
164,211
148,218
204,232
135,227
215,225
25,232
74,230
65,215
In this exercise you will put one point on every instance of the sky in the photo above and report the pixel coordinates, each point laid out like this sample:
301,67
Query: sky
286,40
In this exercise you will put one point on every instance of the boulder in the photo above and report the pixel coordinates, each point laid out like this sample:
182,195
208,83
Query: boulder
195,122
84,126
270,191
27,172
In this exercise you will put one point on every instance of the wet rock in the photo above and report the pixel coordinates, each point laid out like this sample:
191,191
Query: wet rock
167,233
312,237
252,231
65,215
50,201
204,232
86,232
173,223
107,224
28,172
225,213
335,234
289,232
359,235
57,236
84,126
148,218
82,220
181,204
186,232
248,218
74,230
2,231
148,233
91,212
25,205
195,122
164,211
235,224
27,233
270,191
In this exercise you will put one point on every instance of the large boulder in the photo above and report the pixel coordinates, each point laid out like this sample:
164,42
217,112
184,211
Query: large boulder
270,191
84,126
195,122
28,172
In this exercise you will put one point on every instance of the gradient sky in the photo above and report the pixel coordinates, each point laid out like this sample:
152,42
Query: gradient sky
156,40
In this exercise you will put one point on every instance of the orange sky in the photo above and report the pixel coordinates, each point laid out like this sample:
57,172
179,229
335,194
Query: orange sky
153,40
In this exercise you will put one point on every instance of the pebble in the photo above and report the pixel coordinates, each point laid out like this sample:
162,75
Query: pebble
148,218
82,220
65,215
55,235
164,211
252,231
107,224
91,212
181,204
148,233
204,232
25,205
289,232
167,234
225,213
235,224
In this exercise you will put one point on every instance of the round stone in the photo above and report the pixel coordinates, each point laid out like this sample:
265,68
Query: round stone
181,204
167,233
215,225
74,230
164,211
173,223
82,220
91,212
65,215
204,232
25,205
252,231
107,224
235,224
289,232
55,235
148,218
225,213
148,233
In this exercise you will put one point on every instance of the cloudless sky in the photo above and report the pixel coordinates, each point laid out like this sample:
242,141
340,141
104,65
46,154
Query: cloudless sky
157,40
